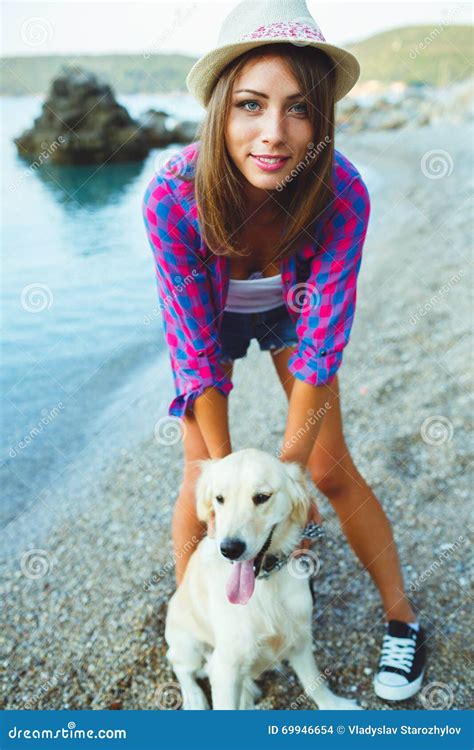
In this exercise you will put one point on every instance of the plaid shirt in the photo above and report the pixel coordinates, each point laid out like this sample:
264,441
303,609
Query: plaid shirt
319,280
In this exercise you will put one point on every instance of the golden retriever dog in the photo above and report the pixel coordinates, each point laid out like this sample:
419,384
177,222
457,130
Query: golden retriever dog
241,608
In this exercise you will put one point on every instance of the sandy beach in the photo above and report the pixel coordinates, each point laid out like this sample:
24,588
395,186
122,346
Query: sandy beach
83,626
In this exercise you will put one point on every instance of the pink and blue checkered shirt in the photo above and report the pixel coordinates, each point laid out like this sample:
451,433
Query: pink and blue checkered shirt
319,280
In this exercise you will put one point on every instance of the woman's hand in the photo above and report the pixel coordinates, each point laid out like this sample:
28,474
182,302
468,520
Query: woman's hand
211,526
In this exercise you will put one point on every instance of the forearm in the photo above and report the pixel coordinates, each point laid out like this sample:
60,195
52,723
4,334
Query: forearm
306,409
211,413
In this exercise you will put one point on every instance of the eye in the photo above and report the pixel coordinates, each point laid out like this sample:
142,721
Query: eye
261,497
243,105
219,499
305,109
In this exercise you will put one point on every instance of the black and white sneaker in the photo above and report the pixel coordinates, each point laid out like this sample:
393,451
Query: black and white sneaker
402,662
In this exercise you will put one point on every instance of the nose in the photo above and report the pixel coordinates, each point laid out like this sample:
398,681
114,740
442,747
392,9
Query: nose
273,128
232,548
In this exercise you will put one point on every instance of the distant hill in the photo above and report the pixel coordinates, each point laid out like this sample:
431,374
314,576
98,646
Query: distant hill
127,74
437,55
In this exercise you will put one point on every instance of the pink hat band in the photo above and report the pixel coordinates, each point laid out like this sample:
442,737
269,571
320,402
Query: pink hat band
291,30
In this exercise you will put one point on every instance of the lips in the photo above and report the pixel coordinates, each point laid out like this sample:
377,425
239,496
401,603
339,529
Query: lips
269,163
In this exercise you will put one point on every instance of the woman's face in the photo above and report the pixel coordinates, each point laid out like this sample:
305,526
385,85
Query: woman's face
268,118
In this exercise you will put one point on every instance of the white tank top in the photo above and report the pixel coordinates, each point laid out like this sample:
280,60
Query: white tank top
255,294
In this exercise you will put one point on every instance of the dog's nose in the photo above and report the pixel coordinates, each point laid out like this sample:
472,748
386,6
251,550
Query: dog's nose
232,548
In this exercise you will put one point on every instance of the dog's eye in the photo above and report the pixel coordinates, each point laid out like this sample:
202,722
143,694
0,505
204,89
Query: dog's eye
219,499
261,497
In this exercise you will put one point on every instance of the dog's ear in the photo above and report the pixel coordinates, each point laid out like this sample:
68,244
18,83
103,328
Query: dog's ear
204,488
298,492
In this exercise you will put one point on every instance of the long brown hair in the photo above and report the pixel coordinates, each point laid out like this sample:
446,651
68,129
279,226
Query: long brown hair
302,198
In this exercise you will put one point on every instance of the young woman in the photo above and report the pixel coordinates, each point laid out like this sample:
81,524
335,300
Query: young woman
257,232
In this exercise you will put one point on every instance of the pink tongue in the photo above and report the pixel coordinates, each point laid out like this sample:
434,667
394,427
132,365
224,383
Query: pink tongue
241,582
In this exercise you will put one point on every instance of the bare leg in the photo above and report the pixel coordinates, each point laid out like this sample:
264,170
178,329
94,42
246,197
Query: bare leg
369,533
187,530
361,516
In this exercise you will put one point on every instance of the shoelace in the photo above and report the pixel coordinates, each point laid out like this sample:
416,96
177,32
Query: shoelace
397,652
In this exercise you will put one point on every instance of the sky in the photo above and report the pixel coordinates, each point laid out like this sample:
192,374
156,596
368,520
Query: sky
190,27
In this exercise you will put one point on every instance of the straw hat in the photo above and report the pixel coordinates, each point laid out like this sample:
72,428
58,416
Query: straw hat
253,23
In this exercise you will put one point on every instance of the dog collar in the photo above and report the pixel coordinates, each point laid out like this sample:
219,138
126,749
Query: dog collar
264,565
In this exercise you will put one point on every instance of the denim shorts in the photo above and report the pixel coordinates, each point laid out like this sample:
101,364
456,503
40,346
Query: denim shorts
273,329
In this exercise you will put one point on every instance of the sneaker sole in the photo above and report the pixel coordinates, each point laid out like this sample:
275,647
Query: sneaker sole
397,693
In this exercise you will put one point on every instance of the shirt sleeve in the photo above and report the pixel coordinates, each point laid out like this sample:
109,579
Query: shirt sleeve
185,299
328,304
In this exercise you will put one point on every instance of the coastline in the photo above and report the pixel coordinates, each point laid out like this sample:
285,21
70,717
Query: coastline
87,634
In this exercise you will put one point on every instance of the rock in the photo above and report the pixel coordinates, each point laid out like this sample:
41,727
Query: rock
159,135
346,111
185,132
401,105
390,120
153,123
423,119
82,123
347,107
